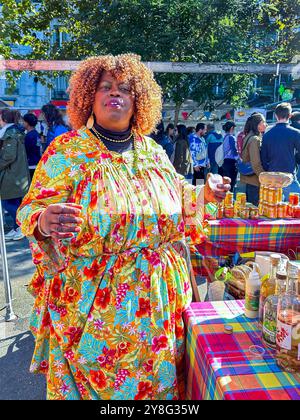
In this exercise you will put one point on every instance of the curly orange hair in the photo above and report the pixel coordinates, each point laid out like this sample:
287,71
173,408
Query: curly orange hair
124,67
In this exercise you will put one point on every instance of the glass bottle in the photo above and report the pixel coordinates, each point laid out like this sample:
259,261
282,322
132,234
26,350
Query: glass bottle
268,286
270,311
288,323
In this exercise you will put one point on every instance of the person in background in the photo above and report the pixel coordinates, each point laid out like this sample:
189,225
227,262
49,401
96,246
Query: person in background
55,123
168,140
254,128
213,141
32,142
190,130
295,123
198,149
229,167
279,147
14,173
183,160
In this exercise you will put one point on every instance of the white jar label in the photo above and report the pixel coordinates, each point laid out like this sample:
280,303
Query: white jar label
284,335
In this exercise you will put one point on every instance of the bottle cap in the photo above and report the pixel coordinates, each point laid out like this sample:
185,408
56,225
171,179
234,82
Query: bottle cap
228,329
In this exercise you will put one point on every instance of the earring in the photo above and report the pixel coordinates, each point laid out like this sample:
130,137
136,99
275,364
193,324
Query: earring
90,121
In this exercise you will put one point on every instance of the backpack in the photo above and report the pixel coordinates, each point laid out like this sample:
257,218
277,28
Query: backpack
219,155
240,142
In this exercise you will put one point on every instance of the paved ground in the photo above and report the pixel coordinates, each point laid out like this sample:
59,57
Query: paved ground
16,341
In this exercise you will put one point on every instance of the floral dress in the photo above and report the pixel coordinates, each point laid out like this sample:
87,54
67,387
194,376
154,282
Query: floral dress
107,317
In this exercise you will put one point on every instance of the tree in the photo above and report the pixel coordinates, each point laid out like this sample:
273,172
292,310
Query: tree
164,30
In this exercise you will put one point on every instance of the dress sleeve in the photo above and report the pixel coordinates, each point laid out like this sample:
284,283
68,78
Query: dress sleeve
50,185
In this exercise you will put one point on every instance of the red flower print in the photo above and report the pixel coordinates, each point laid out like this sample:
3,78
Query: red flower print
145,279
144,307
44,365
93,271
92,155
102,298
106,156
123,348
46,193
144,390
148,366
159,343
71,295
142,232
98,379
74,334
37,282
108,358
50,152
154,259
179,331
80,376
46,320
56,287
94,199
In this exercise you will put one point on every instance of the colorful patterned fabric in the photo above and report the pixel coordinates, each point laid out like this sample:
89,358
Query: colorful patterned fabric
108,312
235,366
231,235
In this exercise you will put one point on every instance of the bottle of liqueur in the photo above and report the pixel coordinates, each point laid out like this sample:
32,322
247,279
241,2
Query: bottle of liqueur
288,323
270,311
268,286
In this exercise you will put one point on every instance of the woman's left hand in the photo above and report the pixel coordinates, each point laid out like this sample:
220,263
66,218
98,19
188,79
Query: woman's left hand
215,188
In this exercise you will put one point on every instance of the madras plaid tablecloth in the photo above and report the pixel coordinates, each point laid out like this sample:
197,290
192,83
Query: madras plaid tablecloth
231,235
231,366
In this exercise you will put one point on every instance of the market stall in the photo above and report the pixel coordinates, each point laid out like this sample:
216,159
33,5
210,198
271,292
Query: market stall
225,357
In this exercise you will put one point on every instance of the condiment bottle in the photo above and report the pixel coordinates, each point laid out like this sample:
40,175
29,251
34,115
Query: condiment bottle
252,290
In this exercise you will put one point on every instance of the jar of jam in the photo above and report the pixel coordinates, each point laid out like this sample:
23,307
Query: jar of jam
279,195
272,195
282,210
245,213
265,194
290,210
294,199
220,211
228,199
272,211
254,213
241,198
297,212
229,212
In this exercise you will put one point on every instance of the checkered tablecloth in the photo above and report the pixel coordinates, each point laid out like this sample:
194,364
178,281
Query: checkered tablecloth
231,235
231,366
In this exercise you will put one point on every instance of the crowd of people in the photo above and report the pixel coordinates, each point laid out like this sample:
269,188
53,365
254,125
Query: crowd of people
194,151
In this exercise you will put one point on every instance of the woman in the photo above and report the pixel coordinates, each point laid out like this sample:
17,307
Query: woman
32,142
229,167
14,172
55,123
103,214
183,162
254,128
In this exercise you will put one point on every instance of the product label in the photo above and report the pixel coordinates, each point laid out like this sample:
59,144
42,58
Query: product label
269,325
284,335
252,301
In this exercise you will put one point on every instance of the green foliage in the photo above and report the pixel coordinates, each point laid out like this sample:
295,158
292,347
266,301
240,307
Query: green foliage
199,31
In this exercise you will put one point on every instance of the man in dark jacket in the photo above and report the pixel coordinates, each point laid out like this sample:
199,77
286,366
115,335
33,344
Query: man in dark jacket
280,145
295,123
14,173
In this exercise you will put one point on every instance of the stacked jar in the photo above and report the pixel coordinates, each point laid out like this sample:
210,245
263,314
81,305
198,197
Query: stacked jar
293,206
270,202
228,205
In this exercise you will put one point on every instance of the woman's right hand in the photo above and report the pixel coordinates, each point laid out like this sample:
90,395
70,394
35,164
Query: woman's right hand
61,220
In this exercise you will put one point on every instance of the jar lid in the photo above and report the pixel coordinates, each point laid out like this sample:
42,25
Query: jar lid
228,329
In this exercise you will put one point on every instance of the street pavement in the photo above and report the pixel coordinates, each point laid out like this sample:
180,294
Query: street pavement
16,341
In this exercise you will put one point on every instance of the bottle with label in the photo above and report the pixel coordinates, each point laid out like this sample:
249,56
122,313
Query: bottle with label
288,323
268,286
270,311
252,289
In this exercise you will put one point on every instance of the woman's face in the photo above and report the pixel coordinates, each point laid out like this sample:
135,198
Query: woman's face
114,103
262,126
